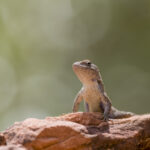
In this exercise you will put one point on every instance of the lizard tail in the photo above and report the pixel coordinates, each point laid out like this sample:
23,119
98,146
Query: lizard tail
116,114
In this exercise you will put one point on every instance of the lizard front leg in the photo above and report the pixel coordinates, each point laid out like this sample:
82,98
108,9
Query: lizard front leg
107,107
77,101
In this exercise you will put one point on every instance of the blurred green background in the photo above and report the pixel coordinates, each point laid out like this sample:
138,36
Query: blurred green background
39,41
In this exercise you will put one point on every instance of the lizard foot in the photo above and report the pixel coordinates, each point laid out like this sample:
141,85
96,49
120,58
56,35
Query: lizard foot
106,118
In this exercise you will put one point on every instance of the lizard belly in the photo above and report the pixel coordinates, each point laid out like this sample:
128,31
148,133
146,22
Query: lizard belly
93,98
94,107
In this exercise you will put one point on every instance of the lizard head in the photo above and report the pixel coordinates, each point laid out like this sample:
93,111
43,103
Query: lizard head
86,71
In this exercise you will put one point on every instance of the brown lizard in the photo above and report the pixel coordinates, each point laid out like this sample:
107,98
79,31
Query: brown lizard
93,93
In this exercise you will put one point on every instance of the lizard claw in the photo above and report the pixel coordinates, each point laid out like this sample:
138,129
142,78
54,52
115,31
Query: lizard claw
106,117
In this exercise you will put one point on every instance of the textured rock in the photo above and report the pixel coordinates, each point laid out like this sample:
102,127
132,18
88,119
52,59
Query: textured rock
2,140
81,131
11,147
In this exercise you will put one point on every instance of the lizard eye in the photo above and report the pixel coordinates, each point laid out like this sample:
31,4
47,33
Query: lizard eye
89,63
86,63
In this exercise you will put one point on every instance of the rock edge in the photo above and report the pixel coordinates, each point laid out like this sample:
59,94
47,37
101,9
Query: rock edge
78,131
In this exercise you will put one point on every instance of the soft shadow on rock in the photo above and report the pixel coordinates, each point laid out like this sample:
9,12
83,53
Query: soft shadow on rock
81,131
2,140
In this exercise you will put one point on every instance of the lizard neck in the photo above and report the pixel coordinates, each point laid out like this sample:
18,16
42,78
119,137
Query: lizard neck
95,84
90,83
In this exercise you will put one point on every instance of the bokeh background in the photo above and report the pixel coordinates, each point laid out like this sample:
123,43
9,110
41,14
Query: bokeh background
39,41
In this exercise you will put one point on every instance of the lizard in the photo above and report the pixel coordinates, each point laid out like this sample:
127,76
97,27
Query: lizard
93,93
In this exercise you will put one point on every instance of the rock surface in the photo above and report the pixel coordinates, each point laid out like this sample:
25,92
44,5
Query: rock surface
2,140
12,147
79,131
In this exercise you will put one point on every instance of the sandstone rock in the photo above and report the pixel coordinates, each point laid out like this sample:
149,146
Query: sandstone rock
11,147
81,131
2,140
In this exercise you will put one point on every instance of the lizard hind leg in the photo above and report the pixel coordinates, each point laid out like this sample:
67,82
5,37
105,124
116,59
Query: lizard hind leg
116,114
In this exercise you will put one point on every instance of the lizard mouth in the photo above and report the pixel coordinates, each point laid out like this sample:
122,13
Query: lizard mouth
77,65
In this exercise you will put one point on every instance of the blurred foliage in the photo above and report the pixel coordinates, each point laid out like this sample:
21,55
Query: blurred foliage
39,41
